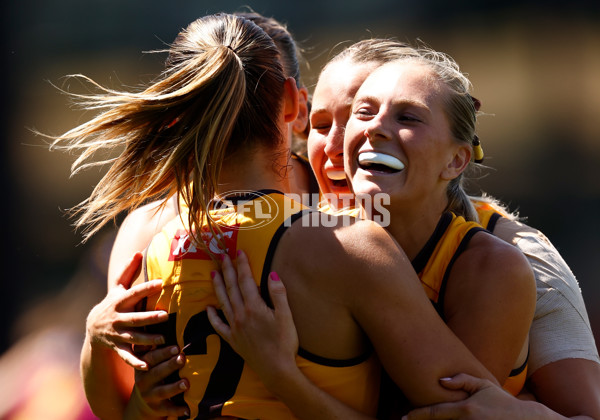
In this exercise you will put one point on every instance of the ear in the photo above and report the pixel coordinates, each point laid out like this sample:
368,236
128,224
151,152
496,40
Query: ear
458,164
301,121
290,98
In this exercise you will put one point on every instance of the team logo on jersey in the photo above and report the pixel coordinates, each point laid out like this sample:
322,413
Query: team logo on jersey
224,242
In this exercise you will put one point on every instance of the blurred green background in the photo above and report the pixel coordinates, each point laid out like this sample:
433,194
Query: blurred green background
535,66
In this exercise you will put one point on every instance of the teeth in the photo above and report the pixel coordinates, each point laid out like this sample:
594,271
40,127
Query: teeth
336,175
370,158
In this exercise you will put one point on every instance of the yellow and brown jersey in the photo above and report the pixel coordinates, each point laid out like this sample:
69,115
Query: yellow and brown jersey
221,383
434,263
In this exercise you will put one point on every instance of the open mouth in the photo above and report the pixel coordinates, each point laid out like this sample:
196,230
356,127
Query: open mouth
379,162
337,178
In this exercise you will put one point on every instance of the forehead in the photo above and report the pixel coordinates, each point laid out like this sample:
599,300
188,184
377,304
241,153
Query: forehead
402,78
339,82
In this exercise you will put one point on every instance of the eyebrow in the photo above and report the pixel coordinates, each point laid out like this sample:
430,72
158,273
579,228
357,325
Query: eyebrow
395,102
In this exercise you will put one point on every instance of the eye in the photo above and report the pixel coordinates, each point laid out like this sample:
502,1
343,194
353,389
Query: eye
364,111
321,121
408,118
321,127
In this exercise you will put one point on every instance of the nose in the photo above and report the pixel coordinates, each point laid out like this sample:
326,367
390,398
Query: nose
334,145
376,128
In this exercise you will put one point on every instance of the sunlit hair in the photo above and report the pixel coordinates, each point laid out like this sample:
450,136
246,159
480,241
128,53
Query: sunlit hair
290,52
221,92
458,102
462,116
376,50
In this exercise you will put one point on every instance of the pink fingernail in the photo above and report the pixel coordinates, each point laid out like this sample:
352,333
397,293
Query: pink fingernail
274,276
239,252
222,256
213,274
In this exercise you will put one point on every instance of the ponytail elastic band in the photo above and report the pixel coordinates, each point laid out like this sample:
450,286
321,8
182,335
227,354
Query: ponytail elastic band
477,150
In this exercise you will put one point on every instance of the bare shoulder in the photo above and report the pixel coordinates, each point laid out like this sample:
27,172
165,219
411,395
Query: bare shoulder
354,241
485,250
350,254
504,267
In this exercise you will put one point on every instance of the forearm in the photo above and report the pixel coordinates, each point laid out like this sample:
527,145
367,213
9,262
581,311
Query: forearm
306,400
105,391
535,410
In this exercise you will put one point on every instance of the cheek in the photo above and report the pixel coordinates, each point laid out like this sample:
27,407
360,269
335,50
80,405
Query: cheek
316,151
352,138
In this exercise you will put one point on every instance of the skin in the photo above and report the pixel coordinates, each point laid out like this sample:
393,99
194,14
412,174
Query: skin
330,111
330,134
399,111
112,326
343,321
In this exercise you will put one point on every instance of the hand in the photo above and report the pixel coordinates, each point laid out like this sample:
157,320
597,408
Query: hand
266,338
151,396
115,324
487,401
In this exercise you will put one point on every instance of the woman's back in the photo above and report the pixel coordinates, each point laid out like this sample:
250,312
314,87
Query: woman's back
344,365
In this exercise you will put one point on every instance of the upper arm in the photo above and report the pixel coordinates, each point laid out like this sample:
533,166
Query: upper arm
570,387
490,301
414,345
135,233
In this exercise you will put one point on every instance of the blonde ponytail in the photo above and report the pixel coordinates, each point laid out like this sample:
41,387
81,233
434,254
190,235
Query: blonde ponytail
221,91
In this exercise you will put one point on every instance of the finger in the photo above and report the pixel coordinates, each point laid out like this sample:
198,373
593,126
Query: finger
465,382
138,338
220,327
245,279
139,292
130,271
222,296
161,371
230,279
141,319
161,394
157,356
131,359
279,296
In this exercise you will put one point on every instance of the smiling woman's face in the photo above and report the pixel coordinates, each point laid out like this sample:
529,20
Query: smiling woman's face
398,139
331,104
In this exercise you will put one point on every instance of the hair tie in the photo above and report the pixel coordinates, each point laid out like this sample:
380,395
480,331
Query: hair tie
477,150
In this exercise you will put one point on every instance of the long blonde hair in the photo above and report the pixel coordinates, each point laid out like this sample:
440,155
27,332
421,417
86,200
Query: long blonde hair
221,91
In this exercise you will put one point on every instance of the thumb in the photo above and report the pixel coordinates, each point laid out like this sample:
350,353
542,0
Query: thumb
131,270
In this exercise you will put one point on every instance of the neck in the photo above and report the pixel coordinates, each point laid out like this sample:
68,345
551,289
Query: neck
411,226
254,170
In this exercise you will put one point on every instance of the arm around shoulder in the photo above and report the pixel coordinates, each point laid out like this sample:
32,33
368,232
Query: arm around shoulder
414,345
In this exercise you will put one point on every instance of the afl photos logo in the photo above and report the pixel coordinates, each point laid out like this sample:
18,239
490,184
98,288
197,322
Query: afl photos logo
259,207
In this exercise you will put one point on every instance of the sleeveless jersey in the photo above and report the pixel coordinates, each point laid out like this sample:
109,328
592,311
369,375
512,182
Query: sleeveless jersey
221,384
433,265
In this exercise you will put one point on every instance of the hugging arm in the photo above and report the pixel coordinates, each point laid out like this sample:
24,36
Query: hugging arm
415,364
113,326
487,401
268,341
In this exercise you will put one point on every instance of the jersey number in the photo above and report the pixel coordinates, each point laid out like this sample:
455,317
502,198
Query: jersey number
227,372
